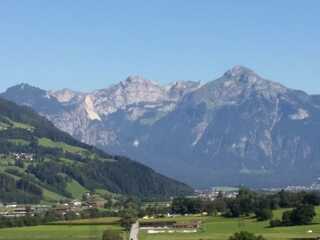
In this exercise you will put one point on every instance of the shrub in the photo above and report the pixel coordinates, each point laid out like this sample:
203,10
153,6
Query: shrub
245,236
286,218
263,214
275,223
303,215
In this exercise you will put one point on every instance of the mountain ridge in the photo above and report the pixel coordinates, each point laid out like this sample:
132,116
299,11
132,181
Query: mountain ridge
36,156
237,129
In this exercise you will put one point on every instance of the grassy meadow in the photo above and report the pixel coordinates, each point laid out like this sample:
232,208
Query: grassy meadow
213,228
220,228
90,229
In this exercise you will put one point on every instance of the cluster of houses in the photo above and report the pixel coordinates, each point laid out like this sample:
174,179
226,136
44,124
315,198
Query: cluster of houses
75,206
315,186
21,210
214,193
23,156
170,225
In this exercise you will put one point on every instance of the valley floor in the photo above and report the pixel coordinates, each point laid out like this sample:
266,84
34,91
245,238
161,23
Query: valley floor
219,228
77,230
212,228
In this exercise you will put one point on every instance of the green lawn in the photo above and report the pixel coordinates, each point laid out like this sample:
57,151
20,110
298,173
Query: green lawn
97,221
46,142
219,228
85,229
49,196
64,232
13,124
76,189
22,125
18,141
213,228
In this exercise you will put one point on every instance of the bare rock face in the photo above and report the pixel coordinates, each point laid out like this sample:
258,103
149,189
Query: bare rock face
241,128
133,90
238,129
64,95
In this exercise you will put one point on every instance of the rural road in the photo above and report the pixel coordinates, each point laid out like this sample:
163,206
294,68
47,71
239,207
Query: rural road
134,231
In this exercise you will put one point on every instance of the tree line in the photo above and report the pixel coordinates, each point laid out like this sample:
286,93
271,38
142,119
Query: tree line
260,204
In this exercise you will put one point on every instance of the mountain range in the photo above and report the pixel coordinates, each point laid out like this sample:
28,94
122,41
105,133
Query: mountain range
238,129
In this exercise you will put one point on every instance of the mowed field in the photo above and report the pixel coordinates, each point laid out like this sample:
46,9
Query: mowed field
213,228
90,229
219,228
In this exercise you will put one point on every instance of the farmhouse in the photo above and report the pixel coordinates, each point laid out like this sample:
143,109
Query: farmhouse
23,156
158,224
171,224
15,211
188,225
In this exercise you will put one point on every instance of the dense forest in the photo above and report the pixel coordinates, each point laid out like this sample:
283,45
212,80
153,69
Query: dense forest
37,158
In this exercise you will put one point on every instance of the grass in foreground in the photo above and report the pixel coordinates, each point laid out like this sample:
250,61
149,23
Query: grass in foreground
64,232
87,229
97,221
213,228
219,228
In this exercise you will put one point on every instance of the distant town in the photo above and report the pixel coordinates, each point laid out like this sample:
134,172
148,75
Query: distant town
232,192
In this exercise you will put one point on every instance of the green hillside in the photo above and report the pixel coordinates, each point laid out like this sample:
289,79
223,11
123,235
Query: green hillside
39,162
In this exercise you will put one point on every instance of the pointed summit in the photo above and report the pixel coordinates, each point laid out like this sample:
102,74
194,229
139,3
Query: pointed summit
135,78
240,71
26,89
24,85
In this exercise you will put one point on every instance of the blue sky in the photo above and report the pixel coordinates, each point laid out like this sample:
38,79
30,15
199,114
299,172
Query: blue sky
85,45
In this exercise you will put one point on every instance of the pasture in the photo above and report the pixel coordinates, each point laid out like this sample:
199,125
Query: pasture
220,228
90,229
212,228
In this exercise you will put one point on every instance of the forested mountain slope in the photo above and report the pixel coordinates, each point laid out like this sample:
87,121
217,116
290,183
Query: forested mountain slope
40,162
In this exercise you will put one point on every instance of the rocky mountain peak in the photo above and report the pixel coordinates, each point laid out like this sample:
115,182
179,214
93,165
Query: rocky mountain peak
237,85
64,95
27,91
23,87
245,78
240,71
137,80
242,75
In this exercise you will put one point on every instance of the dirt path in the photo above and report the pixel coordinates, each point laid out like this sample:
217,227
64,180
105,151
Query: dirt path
134,232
